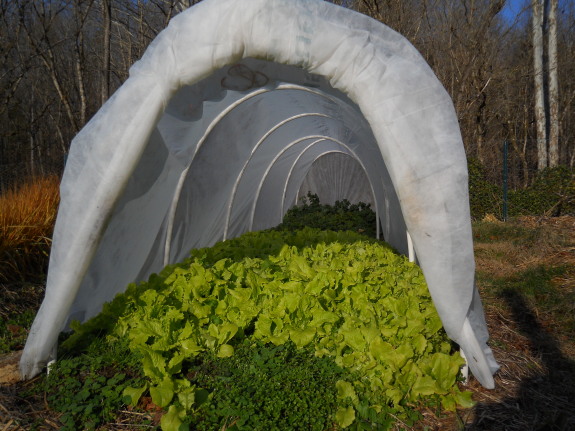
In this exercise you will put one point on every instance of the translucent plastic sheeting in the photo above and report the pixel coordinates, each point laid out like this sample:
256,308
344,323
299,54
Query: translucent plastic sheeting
229,111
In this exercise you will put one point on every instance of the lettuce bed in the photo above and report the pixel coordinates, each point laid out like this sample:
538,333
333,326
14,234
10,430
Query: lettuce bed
339,297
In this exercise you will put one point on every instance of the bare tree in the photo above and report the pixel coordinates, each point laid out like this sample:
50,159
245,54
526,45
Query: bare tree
106,49
540,118
39,19
553,86
61,59
566,52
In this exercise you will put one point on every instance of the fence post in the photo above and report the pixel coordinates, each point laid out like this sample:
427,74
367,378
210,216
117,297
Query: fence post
505,155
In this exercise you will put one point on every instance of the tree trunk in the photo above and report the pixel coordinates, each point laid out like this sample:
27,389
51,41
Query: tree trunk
141,44
31,138
540,120
553,87
526,119
81,84
182,5
106,63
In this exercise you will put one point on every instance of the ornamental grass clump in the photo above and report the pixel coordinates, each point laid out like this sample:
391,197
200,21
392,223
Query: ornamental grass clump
27,216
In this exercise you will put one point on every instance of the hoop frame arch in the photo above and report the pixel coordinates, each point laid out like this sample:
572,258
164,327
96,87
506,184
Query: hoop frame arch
271,130
213,124
319,139
377,212
260,141
352,154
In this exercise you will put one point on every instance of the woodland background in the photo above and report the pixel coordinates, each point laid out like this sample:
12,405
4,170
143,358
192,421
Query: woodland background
60,60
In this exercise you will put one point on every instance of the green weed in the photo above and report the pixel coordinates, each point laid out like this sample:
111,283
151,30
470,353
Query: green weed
13,331
87,389
267,387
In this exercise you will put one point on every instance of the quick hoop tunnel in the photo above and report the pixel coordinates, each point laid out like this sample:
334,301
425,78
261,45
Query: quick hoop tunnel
230,111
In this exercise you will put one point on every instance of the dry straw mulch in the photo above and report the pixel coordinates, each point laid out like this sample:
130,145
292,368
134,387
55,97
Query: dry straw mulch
20,412
535,387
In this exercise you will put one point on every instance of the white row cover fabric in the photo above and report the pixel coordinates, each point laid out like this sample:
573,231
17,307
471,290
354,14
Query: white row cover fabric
234,110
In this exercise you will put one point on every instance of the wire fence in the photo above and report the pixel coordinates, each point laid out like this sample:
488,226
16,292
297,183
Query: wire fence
509,183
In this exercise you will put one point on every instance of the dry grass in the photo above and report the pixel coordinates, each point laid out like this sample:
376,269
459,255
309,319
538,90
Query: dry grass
27,216
530,314
535,386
